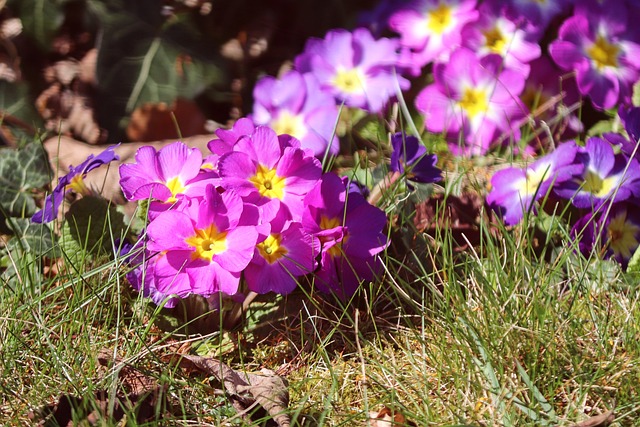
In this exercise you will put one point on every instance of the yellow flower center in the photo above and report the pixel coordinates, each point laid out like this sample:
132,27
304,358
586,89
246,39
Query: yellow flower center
289,124
268,183
597,186
327,224
207,243
176,187
349,81
271,250
495,40
622,236
603,53
78,185
439,19
474,102
534,178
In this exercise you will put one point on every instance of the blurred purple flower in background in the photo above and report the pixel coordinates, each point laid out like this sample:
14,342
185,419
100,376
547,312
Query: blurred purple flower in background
354,67
295,105
601,43
473,100
431,29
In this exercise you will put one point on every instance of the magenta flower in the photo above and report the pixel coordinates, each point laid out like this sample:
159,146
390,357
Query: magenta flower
431,29
354,67
263,167
600,44
295,105
165,175
410,156
351,232
495,34
476,100
614,235
606,177
72,181
204,248
515,190
282,255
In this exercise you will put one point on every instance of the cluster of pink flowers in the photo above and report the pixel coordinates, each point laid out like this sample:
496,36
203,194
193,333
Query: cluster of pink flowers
258,209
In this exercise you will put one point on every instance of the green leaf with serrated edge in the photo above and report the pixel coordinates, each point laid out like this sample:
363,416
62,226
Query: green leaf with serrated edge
41,19
145,58
91,225
21,171
30,237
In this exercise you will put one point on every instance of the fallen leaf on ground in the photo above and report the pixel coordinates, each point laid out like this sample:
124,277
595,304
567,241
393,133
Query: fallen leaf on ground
602,420
387,417
246,389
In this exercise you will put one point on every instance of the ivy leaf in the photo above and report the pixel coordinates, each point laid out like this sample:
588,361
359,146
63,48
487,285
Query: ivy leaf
16,101
21,171
30,237
144,58
40,19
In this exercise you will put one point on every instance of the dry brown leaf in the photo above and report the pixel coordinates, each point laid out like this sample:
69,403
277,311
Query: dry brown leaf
602,420
386,417
266,389
152,122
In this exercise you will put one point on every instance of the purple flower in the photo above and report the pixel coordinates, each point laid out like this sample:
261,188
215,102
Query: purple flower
165,175
536,14
354,67
263,167
410,156
204,248
599,43
295,105
430,29
351,232
615,235
514,190
496,34
473,99
72,181
606,177
282,254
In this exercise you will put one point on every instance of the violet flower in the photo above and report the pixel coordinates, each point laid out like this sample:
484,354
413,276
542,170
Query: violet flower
354,67
515,190
410,156
614,235
600,43
606,177
295,105
351,232
73,181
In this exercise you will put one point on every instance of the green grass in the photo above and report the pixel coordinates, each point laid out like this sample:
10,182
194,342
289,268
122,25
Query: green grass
516,330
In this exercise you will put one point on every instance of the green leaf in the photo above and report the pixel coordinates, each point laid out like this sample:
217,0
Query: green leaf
21,171
41,19
144,58
603,126
91,226
634,262
30,237
16,101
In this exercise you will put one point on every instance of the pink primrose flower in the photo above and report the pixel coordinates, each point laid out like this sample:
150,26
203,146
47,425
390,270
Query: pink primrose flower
473,99
204,248
284,252
264,167
295,105
431,29
354,67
